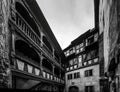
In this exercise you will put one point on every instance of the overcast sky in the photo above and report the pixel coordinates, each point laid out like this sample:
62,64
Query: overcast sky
68,19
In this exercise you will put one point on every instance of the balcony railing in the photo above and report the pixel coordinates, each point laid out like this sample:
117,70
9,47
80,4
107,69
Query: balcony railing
54,78
25,64
26,68
25,27
57,59
46,49
26,58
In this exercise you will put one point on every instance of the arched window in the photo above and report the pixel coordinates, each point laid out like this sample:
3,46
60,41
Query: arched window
47,43
57,57
57,71
24,13
24,50
46,64
73,89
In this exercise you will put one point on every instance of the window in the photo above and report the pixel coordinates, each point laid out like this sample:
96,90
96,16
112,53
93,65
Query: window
80,61
75,61
90,40
71,68
94,53
77,47
76,75
81,49
80,58
67,69
88,56
84,56
96,60
69,76
88,73
75,66
85,63
89,88
71,51
71,62
77,51
86,42
67,53
96,37
90,61
81,45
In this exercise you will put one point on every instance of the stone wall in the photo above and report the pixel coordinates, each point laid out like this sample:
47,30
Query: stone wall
84,81
101,55
109,26
113,31
5,80
104,10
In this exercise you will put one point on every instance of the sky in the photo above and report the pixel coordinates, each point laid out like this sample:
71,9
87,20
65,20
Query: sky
68,19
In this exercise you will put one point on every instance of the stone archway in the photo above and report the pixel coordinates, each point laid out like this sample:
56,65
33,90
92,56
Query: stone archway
73,89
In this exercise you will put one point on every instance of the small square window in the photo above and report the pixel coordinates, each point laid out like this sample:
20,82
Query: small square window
75,66
76,75
85,63
77,51
71,68
96,60
79,64
96,37
69,76
89,88
67,69
77,47
75,61
90,61
80,58
71,62
81,49
88,73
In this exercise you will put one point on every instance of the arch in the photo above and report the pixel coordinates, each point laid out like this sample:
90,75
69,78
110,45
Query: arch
47,43
112,65
118,56
47,64
63,74
56,71
57,57
24,13
73,89
22,48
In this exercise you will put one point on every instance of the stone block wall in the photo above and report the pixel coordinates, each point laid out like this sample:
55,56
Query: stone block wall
5,79
84,81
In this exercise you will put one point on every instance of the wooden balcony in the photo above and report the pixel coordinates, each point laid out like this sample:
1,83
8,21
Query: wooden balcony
25,67
46,49
24,27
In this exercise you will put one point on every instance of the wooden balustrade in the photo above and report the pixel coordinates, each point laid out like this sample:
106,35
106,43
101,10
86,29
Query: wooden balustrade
29,32
46,49
26,28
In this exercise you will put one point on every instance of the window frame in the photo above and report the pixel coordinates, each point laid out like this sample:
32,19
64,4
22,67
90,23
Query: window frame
69,77
88,73
89,88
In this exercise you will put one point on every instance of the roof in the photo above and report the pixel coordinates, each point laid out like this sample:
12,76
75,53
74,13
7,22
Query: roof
80,39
